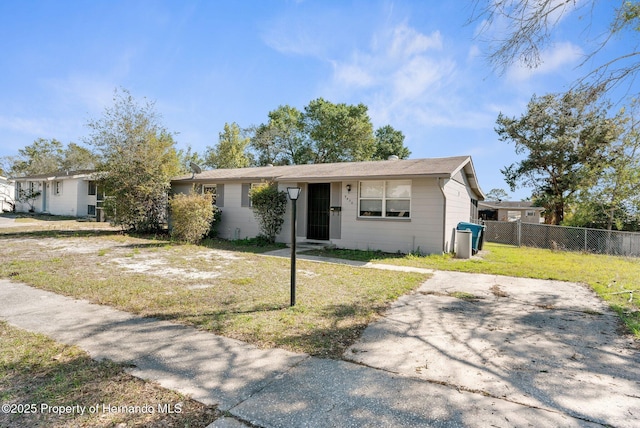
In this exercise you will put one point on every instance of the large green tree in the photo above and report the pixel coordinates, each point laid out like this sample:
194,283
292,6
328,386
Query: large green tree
76,157
41,157
338,132
45,156
389,142
324,132
564,138
282,140
497,194
614,200
231,150
137,161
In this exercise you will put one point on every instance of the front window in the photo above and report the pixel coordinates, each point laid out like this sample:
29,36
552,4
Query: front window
391,198
211,189
91,210
57,187
92,188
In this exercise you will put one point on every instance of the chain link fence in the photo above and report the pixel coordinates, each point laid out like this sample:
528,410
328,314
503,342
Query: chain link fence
563,238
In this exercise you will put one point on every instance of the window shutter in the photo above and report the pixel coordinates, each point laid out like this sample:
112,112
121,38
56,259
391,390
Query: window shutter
220,195
246,201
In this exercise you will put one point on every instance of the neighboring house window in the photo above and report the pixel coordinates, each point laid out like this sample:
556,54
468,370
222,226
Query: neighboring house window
57,188
91,210
32,187
530,213
18,187
93,189
390,198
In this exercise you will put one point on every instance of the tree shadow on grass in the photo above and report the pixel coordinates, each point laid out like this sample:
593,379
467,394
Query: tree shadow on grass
74,379
55,233
336,328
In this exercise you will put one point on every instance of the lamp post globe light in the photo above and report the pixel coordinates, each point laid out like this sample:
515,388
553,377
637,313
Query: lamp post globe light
294,193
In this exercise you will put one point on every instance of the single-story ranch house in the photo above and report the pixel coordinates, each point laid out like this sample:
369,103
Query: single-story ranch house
68,193
408,206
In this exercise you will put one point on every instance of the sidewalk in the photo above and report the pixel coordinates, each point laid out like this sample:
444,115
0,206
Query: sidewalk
263,387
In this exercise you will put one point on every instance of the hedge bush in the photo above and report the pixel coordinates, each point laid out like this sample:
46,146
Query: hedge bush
269,206
191,216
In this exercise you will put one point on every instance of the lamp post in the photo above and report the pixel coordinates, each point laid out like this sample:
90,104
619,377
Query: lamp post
294,193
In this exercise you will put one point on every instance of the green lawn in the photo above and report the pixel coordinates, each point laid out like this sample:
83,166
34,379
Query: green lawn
232,293
615,279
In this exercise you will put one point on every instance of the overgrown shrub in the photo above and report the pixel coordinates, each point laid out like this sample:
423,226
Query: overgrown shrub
269,206
213,229
191,216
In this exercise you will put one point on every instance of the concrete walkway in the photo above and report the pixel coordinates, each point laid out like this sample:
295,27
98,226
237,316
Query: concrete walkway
269,388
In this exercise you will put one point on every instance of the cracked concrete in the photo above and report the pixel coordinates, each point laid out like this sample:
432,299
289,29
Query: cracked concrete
545,344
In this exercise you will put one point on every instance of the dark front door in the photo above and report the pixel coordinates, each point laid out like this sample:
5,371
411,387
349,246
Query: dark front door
318,211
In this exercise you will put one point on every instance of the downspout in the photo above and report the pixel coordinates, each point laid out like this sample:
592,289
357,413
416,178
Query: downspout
444,214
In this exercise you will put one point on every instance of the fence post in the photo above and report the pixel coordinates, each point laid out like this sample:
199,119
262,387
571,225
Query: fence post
585,240
519,233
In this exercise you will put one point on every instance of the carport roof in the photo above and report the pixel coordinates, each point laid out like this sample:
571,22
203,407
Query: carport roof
57,175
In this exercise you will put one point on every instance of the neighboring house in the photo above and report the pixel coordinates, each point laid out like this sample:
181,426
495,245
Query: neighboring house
68,193
7,192
510,211
393,205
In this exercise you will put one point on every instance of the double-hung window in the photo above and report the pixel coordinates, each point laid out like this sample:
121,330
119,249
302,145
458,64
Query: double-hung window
385,199
212,190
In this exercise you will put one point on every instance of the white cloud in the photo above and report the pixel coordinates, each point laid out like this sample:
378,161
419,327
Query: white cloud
92,92
25,125
352,75
419,75
400,76
406,42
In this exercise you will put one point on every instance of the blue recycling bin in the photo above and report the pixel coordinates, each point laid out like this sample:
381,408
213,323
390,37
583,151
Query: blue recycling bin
477,234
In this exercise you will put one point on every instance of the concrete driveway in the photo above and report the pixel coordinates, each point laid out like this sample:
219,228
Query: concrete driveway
545,344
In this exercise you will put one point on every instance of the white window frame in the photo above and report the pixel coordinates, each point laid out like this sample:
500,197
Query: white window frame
384,198
57,187
214,187
253,186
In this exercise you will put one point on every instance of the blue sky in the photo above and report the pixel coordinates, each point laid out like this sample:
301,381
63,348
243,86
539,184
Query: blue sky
418,66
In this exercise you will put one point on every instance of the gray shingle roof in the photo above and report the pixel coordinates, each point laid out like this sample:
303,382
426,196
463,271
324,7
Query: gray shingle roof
435,167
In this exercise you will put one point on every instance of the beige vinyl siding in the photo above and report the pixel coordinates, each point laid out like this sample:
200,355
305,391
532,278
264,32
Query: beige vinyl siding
422,232
458,209
236,221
